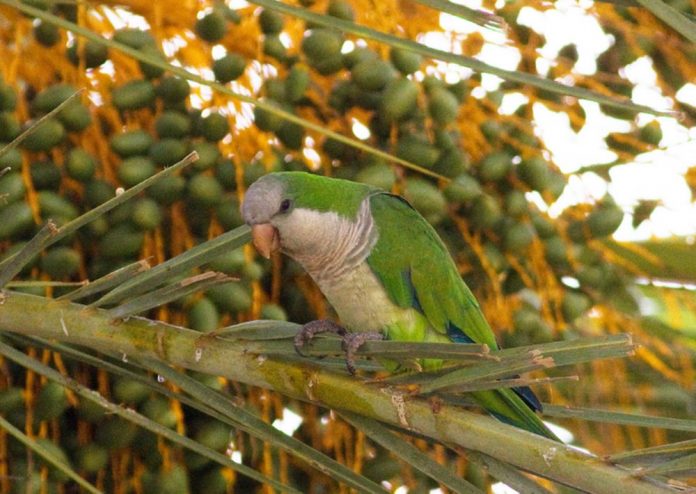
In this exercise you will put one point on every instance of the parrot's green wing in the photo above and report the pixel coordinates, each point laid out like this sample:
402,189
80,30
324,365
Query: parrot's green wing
418,272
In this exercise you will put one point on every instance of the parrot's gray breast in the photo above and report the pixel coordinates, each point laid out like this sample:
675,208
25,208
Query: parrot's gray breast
326,244
338,264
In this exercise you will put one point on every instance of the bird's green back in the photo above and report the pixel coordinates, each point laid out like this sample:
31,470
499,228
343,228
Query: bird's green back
417,271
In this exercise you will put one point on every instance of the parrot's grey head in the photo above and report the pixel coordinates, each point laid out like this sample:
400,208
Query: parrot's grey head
265,201
301,213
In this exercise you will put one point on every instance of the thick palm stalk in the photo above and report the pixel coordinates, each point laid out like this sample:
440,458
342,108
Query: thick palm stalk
136,337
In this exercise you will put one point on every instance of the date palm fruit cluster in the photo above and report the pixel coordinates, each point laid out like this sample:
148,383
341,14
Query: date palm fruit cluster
488,204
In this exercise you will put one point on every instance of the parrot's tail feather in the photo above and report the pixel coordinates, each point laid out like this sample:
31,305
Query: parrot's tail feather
507,406
529,398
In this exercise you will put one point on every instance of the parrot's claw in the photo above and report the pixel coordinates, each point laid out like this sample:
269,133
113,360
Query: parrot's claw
352,342
313,328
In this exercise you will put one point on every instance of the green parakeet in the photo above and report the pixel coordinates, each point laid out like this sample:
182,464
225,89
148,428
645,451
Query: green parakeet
381,266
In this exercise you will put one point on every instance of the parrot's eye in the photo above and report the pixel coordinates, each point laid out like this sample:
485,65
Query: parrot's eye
285,206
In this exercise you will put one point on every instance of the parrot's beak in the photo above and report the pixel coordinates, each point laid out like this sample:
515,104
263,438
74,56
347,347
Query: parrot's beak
265,238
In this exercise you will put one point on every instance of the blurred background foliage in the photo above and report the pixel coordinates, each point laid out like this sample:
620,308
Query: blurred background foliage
482,176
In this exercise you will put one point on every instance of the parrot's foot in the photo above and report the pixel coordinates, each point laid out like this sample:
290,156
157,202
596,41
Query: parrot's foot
351,341
311,329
